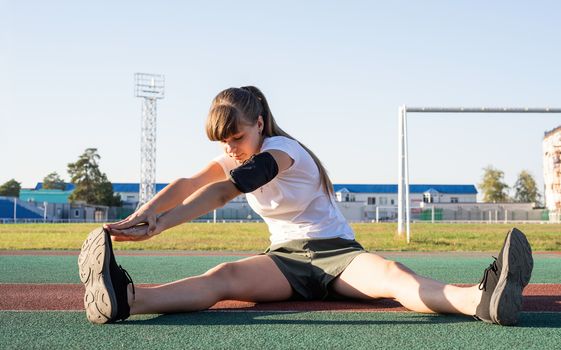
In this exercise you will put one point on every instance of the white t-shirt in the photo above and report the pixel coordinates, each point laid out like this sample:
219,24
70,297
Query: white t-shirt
293,204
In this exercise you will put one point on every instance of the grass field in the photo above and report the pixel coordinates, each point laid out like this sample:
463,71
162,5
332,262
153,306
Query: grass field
255,237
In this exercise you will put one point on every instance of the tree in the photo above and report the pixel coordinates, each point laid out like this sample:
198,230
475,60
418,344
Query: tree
106,196
91,185
10,188
53,182
526,190
492,185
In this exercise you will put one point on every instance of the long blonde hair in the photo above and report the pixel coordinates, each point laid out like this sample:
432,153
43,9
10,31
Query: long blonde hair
245,105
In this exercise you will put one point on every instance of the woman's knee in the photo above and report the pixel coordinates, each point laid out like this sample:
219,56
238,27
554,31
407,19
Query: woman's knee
221,277
224,271
229,277
250,279
396,270
219,270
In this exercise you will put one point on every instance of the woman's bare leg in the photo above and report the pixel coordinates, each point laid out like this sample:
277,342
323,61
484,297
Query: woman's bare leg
255,279
371,276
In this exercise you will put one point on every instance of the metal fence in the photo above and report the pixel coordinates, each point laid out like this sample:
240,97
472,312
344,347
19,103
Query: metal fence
484,216
382,214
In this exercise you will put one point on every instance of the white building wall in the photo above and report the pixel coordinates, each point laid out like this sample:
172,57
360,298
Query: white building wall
486,211
552,172
416,198
352,211
129,197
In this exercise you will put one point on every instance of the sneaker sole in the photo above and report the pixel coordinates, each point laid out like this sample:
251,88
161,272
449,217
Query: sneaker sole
506,300
93,264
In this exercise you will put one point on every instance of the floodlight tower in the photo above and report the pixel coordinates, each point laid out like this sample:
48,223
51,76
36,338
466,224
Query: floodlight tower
150,87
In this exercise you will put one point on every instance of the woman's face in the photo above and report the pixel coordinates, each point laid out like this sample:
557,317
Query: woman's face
245,143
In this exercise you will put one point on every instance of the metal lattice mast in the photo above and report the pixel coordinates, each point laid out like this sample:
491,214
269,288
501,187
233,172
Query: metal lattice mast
150,87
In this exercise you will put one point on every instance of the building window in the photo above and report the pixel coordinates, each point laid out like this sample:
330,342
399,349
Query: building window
371,200
383,201
392,201
454,200
427,198
76,213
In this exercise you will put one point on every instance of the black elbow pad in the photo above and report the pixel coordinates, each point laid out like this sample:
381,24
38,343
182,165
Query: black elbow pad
254,172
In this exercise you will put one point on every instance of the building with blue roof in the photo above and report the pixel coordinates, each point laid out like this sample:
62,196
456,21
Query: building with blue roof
387,194
41,196
128,192
374,194
358,202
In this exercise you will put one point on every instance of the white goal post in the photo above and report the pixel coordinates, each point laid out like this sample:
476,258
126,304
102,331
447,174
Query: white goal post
403,202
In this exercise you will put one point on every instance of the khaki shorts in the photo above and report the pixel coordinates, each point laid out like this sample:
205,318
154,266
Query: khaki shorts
310,265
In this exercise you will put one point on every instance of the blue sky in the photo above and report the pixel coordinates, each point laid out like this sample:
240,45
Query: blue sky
334,73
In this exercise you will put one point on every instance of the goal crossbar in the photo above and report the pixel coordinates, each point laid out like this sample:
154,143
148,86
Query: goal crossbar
403,201
480,110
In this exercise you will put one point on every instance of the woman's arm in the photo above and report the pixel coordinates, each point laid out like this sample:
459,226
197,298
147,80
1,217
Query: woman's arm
211,196
168,198
207,198
177,191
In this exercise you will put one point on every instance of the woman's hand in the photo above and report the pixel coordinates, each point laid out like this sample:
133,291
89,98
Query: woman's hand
138,226
141,216
136,233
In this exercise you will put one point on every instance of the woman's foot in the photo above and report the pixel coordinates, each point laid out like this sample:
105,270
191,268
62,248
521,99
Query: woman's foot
106,298
504,280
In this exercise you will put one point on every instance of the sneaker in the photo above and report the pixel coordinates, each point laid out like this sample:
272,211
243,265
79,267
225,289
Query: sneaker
504,280
106,283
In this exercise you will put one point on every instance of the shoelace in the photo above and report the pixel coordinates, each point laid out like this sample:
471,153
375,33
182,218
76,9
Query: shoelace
129,279
493,267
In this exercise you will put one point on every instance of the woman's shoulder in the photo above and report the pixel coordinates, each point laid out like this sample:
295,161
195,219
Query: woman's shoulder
285,144
272,141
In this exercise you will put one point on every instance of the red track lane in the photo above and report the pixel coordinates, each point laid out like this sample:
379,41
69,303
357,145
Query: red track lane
539,297
122,253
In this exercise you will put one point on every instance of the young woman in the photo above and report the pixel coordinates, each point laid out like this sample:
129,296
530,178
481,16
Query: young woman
313,254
